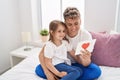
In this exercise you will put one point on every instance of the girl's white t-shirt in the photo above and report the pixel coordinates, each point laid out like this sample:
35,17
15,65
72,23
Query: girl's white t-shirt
58,54
81,36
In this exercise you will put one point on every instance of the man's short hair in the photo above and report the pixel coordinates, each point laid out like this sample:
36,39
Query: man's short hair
71,13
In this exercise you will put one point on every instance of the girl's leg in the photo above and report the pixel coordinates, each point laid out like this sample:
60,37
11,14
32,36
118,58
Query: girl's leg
72,72
39,71
90,72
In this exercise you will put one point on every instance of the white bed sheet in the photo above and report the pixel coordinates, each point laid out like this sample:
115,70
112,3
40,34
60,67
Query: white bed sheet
110,73
25,70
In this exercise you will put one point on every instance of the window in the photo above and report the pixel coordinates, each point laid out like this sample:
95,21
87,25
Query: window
53,9
44,11
50,10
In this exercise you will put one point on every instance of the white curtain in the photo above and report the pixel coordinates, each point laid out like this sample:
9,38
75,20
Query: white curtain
118,17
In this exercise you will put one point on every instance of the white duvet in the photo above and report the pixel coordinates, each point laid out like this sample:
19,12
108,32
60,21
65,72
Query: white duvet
25,70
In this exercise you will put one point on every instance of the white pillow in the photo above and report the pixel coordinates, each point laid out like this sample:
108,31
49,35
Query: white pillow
113,32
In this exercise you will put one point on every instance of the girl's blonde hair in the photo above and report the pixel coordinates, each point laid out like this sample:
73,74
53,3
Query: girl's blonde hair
53,27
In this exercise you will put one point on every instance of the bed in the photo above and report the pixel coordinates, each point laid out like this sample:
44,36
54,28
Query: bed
25,70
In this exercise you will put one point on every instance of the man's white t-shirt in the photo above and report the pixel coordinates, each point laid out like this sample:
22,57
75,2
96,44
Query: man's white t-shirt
58,54
81,36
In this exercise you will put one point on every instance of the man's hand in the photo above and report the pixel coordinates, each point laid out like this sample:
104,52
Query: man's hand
85,58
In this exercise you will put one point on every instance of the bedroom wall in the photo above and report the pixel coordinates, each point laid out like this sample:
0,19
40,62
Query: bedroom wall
10,36
100,15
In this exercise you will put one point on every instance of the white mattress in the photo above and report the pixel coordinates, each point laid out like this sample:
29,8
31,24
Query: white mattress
25,70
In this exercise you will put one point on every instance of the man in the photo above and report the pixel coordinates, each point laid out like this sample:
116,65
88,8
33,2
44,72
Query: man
75,34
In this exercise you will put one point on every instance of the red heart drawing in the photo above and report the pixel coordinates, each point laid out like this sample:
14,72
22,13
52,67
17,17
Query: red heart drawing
85,45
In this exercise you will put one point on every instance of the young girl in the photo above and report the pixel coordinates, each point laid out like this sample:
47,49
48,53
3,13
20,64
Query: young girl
55,52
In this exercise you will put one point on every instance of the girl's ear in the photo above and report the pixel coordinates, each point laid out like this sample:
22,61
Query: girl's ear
51,31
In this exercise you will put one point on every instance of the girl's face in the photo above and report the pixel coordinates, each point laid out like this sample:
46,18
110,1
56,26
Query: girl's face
73,26
60,33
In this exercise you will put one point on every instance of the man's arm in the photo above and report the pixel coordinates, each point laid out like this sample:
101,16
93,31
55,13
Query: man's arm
76,58
48,74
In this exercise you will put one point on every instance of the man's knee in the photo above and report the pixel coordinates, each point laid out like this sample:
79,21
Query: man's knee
39,71
97,72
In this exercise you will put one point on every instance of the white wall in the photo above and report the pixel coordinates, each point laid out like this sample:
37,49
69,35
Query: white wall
16,16
100,15
10,37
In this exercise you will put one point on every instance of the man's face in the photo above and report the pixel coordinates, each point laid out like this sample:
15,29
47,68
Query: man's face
73,26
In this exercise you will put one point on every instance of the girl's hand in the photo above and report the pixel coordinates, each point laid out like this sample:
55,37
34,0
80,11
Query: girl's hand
62,74
50,76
